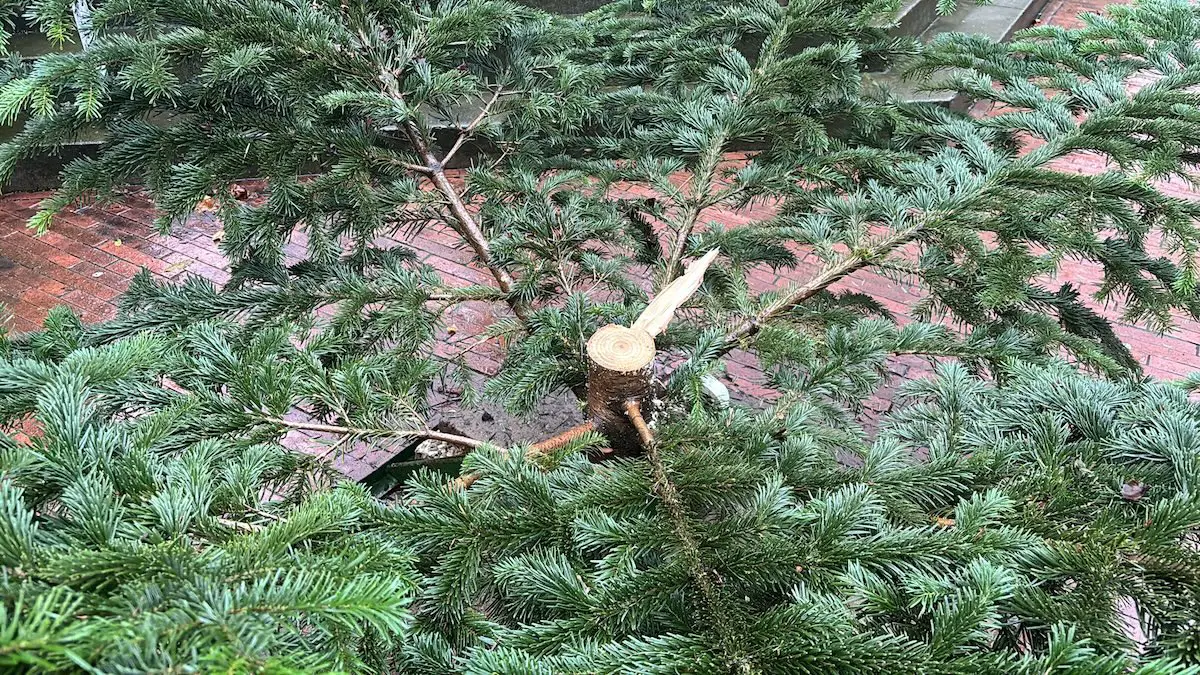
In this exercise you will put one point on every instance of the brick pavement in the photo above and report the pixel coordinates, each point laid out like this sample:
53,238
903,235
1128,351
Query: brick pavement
89,256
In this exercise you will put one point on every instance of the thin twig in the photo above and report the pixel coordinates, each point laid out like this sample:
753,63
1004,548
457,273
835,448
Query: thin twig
264,514
453,439
826,278
467,227
462,297
417,168
555,442
470,128
331,451
633,410
701,183
238,525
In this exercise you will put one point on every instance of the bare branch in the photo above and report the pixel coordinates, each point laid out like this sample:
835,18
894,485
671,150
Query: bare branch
415,168
470,128
240,526
536,450
453,439
467,227
633,410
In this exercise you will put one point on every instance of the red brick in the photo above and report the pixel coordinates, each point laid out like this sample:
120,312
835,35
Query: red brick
39,298
36,253
15,324
79,227
86,283
122,270
30,311
84,252
128,252
53,287
90,306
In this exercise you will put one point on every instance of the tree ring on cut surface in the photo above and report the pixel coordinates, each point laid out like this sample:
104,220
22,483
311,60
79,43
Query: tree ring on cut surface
621,349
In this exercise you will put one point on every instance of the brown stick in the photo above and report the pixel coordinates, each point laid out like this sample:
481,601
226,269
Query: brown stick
556,442
536,450
634,410
466,227
826,278
239,525
470,128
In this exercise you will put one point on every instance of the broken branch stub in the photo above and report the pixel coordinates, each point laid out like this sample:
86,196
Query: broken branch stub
661,310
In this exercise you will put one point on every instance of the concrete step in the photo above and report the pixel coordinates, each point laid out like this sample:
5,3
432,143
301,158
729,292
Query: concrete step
998,20
915,17
31,44
42,172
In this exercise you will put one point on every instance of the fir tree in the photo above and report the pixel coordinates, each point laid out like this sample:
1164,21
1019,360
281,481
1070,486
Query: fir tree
997,524
1016,526
150,529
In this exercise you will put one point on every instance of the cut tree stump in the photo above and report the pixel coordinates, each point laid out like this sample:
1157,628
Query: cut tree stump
620,381
620,360
619,370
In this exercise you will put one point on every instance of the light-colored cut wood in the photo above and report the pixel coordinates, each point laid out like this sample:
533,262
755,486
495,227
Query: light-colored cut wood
661,310
621,349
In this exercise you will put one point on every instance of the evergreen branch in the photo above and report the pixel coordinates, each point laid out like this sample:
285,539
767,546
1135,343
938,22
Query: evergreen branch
701,182
467,227
828,276
677,514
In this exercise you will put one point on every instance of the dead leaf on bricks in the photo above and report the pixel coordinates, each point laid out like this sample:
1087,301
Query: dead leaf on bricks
178,266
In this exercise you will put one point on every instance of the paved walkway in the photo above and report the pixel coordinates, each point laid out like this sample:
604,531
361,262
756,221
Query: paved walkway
89,256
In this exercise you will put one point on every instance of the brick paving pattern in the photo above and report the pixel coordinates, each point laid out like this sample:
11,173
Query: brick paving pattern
89,256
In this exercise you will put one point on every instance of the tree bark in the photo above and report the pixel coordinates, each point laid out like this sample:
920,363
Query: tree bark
619,370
